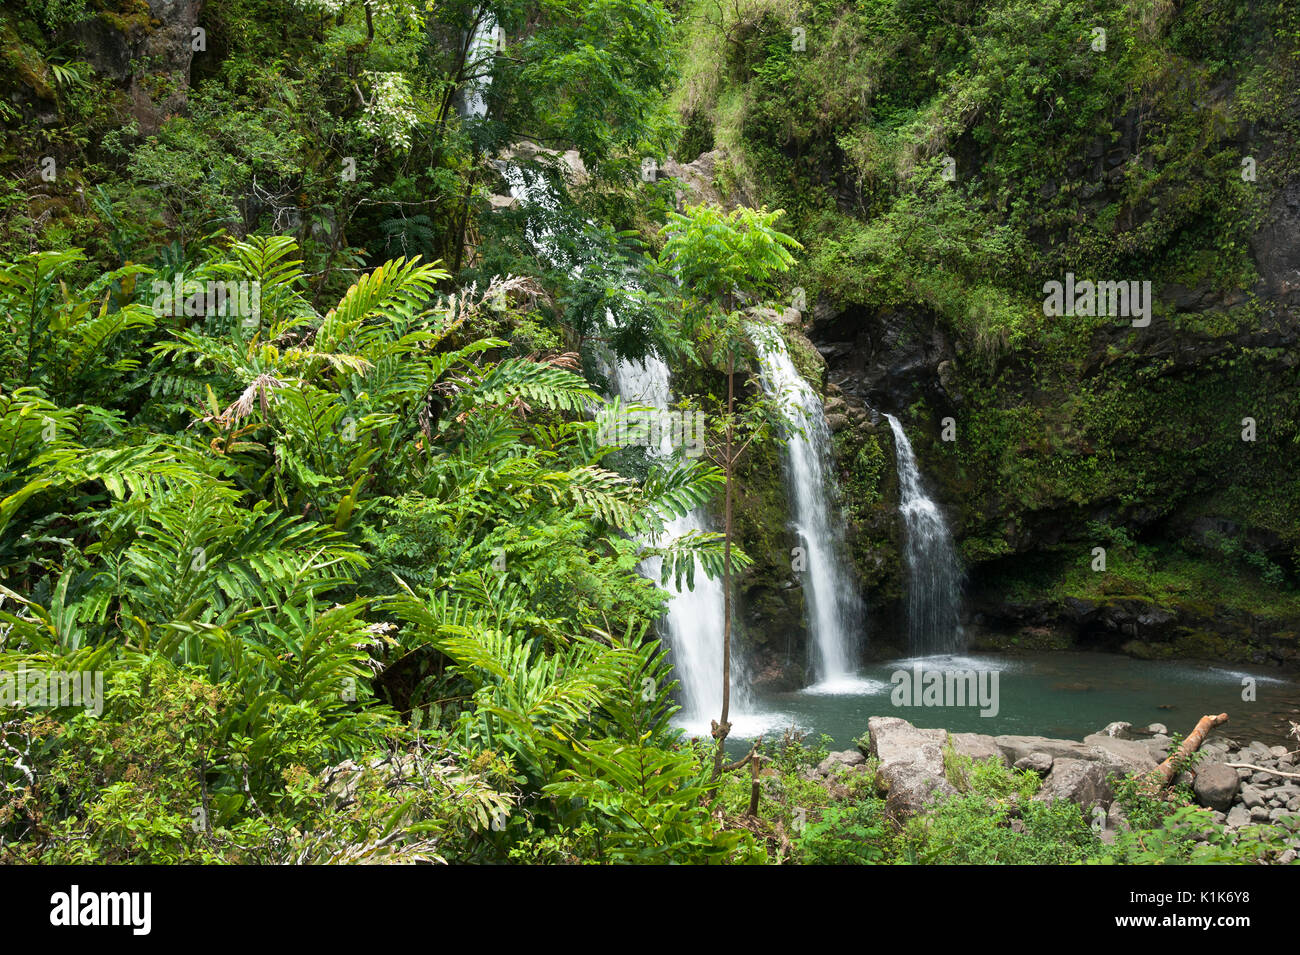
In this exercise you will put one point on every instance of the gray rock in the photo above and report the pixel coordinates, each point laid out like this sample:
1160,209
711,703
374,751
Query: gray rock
1238,816
1158,729
977,746
1257,748
1157,747
1117,730
894,739
914,786
1215,785
911,765
1250,797
1078,780
1127,756
1287,857
1018,747
1259,814
107,50
849,757
1040,763
1275,814
1277,752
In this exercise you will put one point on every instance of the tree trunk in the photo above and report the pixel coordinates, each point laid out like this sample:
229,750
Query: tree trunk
1163,774
722,728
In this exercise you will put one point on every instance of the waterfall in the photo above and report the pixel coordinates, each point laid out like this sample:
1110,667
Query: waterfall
834,610
693,623
934,573
479,51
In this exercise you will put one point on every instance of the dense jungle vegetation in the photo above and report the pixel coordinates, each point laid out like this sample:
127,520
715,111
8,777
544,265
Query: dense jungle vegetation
363,579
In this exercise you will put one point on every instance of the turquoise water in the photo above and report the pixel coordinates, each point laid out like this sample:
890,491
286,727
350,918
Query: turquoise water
1061,694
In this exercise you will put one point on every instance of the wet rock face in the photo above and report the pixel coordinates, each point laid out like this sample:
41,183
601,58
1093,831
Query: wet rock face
107,49
1276,248
169,49
1142,629
148,50
886,358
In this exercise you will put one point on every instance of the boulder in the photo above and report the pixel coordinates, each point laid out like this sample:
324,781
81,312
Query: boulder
1115,821
1018,747
911,765
1127,756
1250,797
1238,816
1215,785
849,757
1158,729
697,176
1117,730
1079,780
894,739
914,786
1157,747
977,746
1040,763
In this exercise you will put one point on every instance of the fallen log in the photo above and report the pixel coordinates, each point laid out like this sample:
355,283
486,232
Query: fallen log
1163,775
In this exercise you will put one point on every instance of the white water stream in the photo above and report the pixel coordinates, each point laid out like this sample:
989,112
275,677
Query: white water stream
834,610
934,573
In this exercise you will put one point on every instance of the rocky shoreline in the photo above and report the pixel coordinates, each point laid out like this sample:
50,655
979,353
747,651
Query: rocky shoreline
909,766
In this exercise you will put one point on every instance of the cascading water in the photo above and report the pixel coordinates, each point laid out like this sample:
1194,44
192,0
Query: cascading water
694,622
693,625
934,573
477,54
835,617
